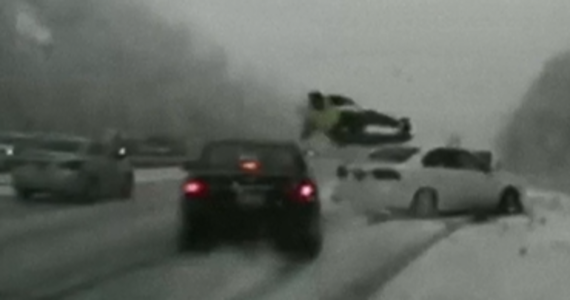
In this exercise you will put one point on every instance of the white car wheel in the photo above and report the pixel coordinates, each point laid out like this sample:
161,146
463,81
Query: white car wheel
341,172
424,203
510,202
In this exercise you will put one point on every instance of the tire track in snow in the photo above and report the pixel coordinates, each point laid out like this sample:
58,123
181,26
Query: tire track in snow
266,287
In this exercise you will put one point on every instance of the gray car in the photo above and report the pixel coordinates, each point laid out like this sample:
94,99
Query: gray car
73,167
10,144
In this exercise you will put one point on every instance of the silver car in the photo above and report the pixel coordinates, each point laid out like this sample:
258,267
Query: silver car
10,143
73,167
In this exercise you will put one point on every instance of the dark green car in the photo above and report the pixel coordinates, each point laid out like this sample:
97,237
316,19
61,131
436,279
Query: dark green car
346,123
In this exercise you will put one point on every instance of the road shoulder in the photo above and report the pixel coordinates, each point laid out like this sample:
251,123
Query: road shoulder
513,258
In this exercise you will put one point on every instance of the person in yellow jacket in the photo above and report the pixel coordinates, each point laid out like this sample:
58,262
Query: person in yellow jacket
345,123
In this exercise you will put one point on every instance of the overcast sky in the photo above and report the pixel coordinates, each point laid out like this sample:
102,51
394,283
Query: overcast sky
462,62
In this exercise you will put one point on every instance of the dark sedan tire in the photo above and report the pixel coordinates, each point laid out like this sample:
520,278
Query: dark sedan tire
341,172
194,236
90,193
510,202
303,245
425,203
127,188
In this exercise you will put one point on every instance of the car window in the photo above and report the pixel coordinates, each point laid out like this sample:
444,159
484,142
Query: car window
13,139
436,159
468,161
272,158
452,159
394,154
383,174
96,149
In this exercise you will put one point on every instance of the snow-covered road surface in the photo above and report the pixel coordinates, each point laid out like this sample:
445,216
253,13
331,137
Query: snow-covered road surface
11,209
141,176
126,250
356,260
513,259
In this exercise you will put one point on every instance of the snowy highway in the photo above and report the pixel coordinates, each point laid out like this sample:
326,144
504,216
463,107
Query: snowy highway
126,250
409,113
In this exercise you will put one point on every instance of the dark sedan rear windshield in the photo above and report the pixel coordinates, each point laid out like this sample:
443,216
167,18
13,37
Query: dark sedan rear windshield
271,158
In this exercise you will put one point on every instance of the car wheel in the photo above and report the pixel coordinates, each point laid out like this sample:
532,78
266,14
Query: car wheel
510,202
91,191
302,246
311,247
127,187
341,172
194,238
424,203
359,175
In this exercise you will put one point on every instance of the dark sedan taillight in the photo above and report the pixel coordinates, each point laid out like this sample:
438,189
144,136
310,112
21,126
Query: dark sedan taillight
195,188
304,191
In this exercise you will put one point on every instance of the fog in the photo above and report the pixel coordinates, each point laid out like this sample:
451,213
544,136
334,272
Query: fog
83,66
452,66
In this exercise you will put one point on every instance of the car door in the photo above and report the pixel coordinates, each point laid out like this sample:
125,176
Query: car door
485,184
477,179
442,172
102,167
359,188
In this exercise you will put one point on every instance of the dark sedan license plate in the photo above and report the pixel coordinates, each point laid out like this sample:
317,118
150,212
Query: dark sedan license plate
251,199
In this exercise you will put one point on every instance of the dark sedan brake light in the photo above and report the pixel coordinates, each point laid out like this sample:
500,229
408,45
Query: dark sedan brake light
305,191
195,188
250,166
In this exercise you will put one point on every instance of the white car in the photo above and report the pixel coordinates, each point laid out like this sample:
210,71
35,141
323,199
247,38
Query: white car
427,181
73,167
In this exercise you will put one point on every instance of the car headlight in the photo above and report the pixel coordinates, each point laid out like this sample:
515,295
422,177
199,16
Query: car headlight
10,151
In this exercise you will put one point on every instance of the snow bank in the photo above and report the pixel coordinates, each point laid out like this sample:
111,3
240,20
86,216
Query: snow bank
515,258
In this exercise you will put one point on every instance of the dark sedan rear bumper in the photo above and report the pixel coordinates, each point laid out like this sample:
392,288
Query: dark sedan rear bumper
231,219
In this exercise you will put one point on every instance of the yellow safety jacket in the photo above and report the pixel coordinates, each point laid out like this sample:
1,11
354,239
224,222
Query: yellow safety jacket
324,120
